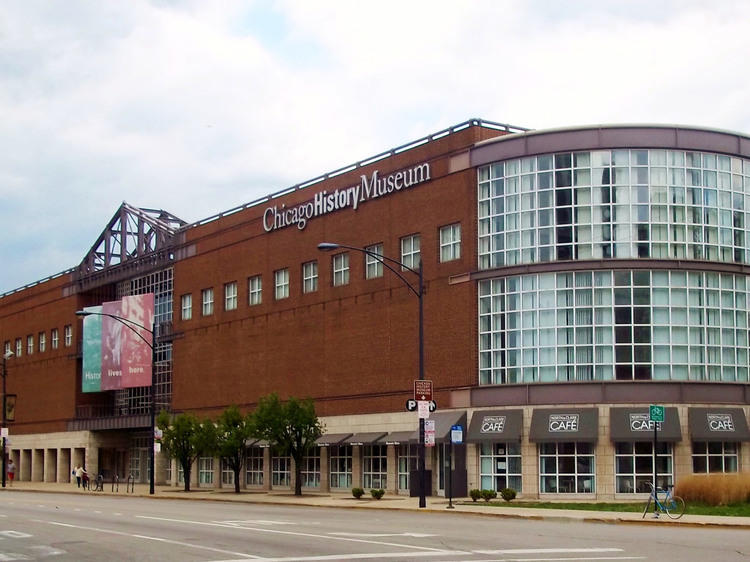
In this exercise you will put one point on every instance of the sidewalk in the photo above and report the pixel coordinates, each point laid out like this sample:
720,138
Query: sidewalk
434,504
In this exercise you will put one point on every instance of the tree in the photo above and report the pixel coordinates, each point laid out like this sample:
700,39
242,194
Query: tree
292,427
233,430
185,438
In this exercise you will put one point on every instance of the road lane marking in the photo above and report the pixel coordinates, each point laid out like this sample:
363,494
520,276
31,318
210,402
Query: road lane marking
362,556
45,551
255,522
146,537
413,535
299,534
547,550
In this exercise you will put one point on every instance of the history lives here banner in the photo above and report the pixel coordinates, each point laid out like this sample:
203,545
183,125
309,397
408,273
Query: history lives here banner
124,344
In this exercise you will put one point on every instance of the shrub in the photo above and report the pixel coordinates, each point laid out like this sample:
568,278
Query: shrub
488,495
377,494
715,489
358,492
475,494
508,494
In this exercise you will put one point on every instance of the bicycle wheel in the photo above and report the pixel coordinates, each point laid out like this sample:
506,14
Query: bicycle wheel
675,507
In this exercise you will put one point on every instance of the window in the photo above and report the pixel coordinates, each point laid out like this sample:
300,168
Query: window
7,347
634,466
19,347
310,277
254,290
500,466
373,266
186,306
450,242
42,342
374,466
208,301
281,280
566,468
410,255
280,471
68,332
227,474
29,345
407,456
340,460
205,470
715,456
341,269
254,467
310,474
55,338
230,296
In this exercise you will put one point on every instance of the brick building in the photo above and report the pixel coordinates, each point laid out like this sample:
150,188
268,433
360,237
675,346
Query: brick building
572,278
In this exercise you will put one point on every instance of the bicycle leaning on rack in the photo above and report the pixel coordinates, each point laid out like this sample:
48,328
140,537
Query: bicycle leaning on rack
673,506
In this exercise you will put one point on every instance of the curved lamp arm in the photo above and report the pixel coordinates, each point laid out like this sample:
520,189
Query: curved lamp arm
132,325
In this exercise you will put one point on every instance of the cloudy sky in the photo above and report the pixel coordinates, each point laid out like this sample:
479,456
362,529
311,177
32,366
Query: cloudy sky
197,107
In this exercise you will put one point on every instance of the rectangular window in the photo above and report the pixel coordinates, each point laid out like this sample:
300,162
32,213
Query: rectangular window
373,265
208,301
500,466
310,277
450,242
374,466
410,255
186,306
407,456
19,347
7,347
68,331
281,283
634,466
254,467
230,296
566,468
310,471
341,466
227,474
715,456
42,342
280,471
254,290
55,338
341,269
205,470
29,345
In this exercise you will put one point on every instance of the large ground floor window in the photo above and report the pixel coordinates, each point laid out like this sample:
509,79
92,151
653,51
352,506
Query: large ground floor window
310,472
340,461
374,466
715,456
254,467
407,458
634,466
500,466
227,474
566,468
205,470
280,471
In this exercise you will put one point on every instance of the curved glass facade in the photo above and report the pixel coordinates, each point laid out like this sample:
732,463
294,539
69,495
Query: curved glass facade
614,325
630,203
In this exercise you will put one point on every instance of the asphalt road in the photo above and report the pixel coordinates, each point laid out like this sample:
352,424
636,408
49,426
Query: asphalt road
62,527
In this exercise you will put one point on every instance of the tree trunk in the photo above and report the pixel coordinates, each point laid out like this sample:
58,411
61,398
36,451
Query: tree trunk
186,474
298,477
237,479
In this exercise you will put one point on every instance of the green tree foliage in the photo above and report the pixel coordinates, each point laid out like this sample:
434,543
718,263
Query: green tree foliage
185,438
232,432
291,427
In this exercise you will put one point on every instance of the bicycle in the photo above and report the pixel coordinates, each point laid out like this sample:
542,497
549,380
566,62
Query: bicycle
673,506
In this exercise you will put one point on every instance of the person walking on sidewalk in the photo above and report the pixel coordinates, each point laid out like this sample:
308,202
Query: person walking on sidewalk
79,475
11,471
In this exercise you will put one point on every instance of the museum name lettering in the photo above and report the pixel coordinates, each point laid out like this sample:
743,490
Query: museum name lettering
325,202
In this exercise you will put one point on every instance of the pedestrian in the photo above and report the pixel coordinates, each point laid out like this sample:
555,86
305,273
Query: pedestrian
85,479
79,474
11,471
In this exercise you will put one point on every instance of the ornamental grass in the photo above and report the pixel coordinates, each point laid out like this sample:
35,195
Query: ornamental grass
715,489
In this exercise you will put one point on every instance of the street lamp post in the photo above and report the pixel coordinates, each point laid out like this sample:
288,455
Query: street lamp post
419,292
7,355
130,324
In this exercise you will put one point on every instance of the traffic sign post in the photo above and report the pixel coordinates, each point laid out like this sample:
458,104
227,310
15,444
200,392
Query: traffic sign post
457,437
656,416
423,390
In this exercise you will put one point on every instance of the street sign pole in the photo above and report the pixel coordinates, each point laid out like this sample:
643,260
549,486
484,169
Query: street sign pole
656,416
450,476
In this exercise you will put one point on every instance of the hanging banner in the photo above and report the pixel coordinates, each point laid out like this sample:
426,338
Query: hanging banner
92,351
135,352
111,342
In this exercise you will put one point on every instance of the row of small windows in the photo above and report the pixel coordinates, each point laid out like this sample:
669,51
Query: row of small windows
450,249
40,345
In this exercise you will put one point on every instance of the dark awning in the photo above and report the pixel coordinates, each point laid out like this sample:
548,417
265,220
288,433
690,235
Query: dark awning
364,438
495,425
444,421
260,443
718,424
331,439
568,424
633,424
400,438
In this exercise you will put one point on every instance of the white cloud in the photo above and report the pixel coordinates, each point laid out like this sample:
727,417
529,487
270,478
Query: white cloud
197,107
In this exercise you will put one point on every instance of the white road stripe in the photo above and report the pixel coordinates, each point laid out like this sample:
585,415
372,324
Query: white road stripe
298,534
362,556
157,539
546,550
